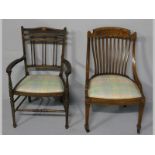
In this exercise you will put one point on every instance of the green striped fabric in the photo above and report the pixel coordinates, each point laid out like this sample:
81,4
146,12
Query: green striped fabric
41,84
113,87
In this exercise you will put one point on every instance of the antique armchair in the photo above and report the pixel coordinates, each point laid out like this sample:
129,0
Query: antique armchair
49,44
109,83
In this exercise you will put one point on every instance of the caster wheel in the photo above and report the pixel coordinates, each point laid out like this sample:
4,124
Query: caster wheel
14,125
138,131
87,129
66,126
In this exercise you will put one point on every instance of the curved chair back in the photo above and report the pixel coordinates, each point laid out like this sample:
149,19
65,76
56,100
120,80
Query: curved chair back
110,47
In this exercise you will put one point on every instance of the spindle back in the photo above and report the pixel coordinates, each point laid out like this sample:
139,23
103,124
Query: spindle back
110,47
43,48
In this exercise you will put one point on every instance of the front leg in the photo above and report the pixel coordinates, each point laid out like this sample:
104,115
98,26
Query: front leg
13,111
87,110
140,115
12,99
66,105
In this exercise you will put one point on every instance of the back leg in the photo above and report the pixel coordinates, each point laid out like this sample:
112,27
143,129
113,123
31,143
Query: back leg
29,99
61,99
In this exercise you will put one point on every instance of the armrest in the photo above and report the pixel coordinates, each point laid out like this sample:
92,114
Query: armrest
13,63
67,67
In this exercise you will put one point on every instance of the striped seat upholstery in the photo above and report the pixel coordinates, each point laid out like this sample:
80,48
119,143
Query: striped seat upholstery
113,87
41,84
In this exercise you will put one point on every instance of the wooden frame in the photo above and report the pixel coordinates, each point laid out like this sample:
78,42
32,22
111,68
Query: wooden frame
104,65
43,36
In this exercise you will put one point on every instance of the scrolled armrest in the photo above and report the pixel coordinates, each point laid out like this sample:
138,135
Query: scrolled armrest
67,67
13,63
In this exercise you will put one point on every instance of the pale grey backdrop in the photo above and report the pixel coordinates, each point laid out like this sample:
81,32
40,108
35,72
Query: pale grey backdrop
76,54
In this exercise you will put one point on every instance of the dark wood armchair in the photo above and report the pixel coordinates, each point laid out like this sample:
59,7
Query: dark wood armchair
111,48
50,44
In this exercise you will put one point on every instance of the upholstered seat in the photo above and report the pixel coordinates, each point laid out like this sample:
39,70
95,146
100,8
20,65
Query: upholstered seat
113,87
41,84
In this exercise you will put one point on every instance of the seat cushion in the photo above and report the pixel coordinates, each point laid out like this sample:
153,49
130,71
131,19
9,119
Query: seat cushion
113,87
41,84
